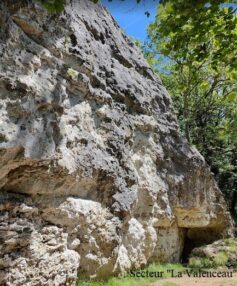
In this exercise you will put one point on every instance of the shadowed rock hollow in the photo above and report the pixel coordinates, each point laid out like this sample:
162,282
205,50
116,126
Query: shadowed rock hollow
95,178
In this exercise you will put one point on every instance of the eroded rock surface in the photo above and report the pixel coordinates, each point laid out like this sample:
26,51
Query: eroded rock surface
94,175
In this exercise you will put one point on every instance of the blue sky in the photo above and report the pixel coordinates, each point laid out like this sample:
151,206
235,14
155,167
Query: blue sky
131,16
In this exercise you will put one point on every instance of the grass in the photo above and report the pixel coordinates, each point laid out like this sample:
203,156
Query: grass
170,284
134,281
221,257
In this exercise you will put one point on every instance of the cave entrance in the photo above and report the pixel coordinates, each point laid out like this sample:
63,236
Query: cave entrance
189,245
195,237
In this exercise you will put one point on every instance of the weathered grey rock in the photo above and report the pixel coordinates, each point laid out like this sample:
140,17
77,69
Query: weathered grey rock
94,175
33,253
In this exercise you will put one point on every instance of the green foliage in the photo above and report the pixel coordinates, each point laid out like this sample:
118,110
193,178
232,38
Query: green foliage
199,263
196,31
53,6
56,6
220,259
221,253
192,46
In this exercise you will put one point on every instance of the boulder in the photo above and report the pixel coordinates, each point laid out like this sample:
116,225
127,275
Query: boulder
222,252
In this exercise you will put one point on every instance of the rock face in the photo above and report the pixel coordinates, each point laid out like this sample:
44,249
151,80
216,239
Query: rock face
95,178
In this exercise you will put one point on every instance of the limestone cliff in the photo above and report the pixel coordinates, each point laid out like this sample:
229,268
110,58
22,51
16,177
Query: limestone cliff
95,178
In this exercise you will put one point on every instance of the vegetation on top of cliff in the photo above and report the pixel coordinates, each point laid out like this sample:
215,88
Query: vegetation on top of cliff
53,6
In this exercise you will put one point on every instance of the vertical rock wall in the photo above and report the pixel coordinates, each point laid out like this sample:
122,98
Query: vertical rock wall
95,178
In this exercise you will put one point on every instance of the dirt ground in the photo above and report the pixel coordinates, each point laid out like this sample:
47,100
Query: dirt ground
193,281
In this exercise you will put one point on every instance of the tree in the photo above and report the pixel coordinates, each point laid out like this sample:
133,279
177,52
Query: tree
192,46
